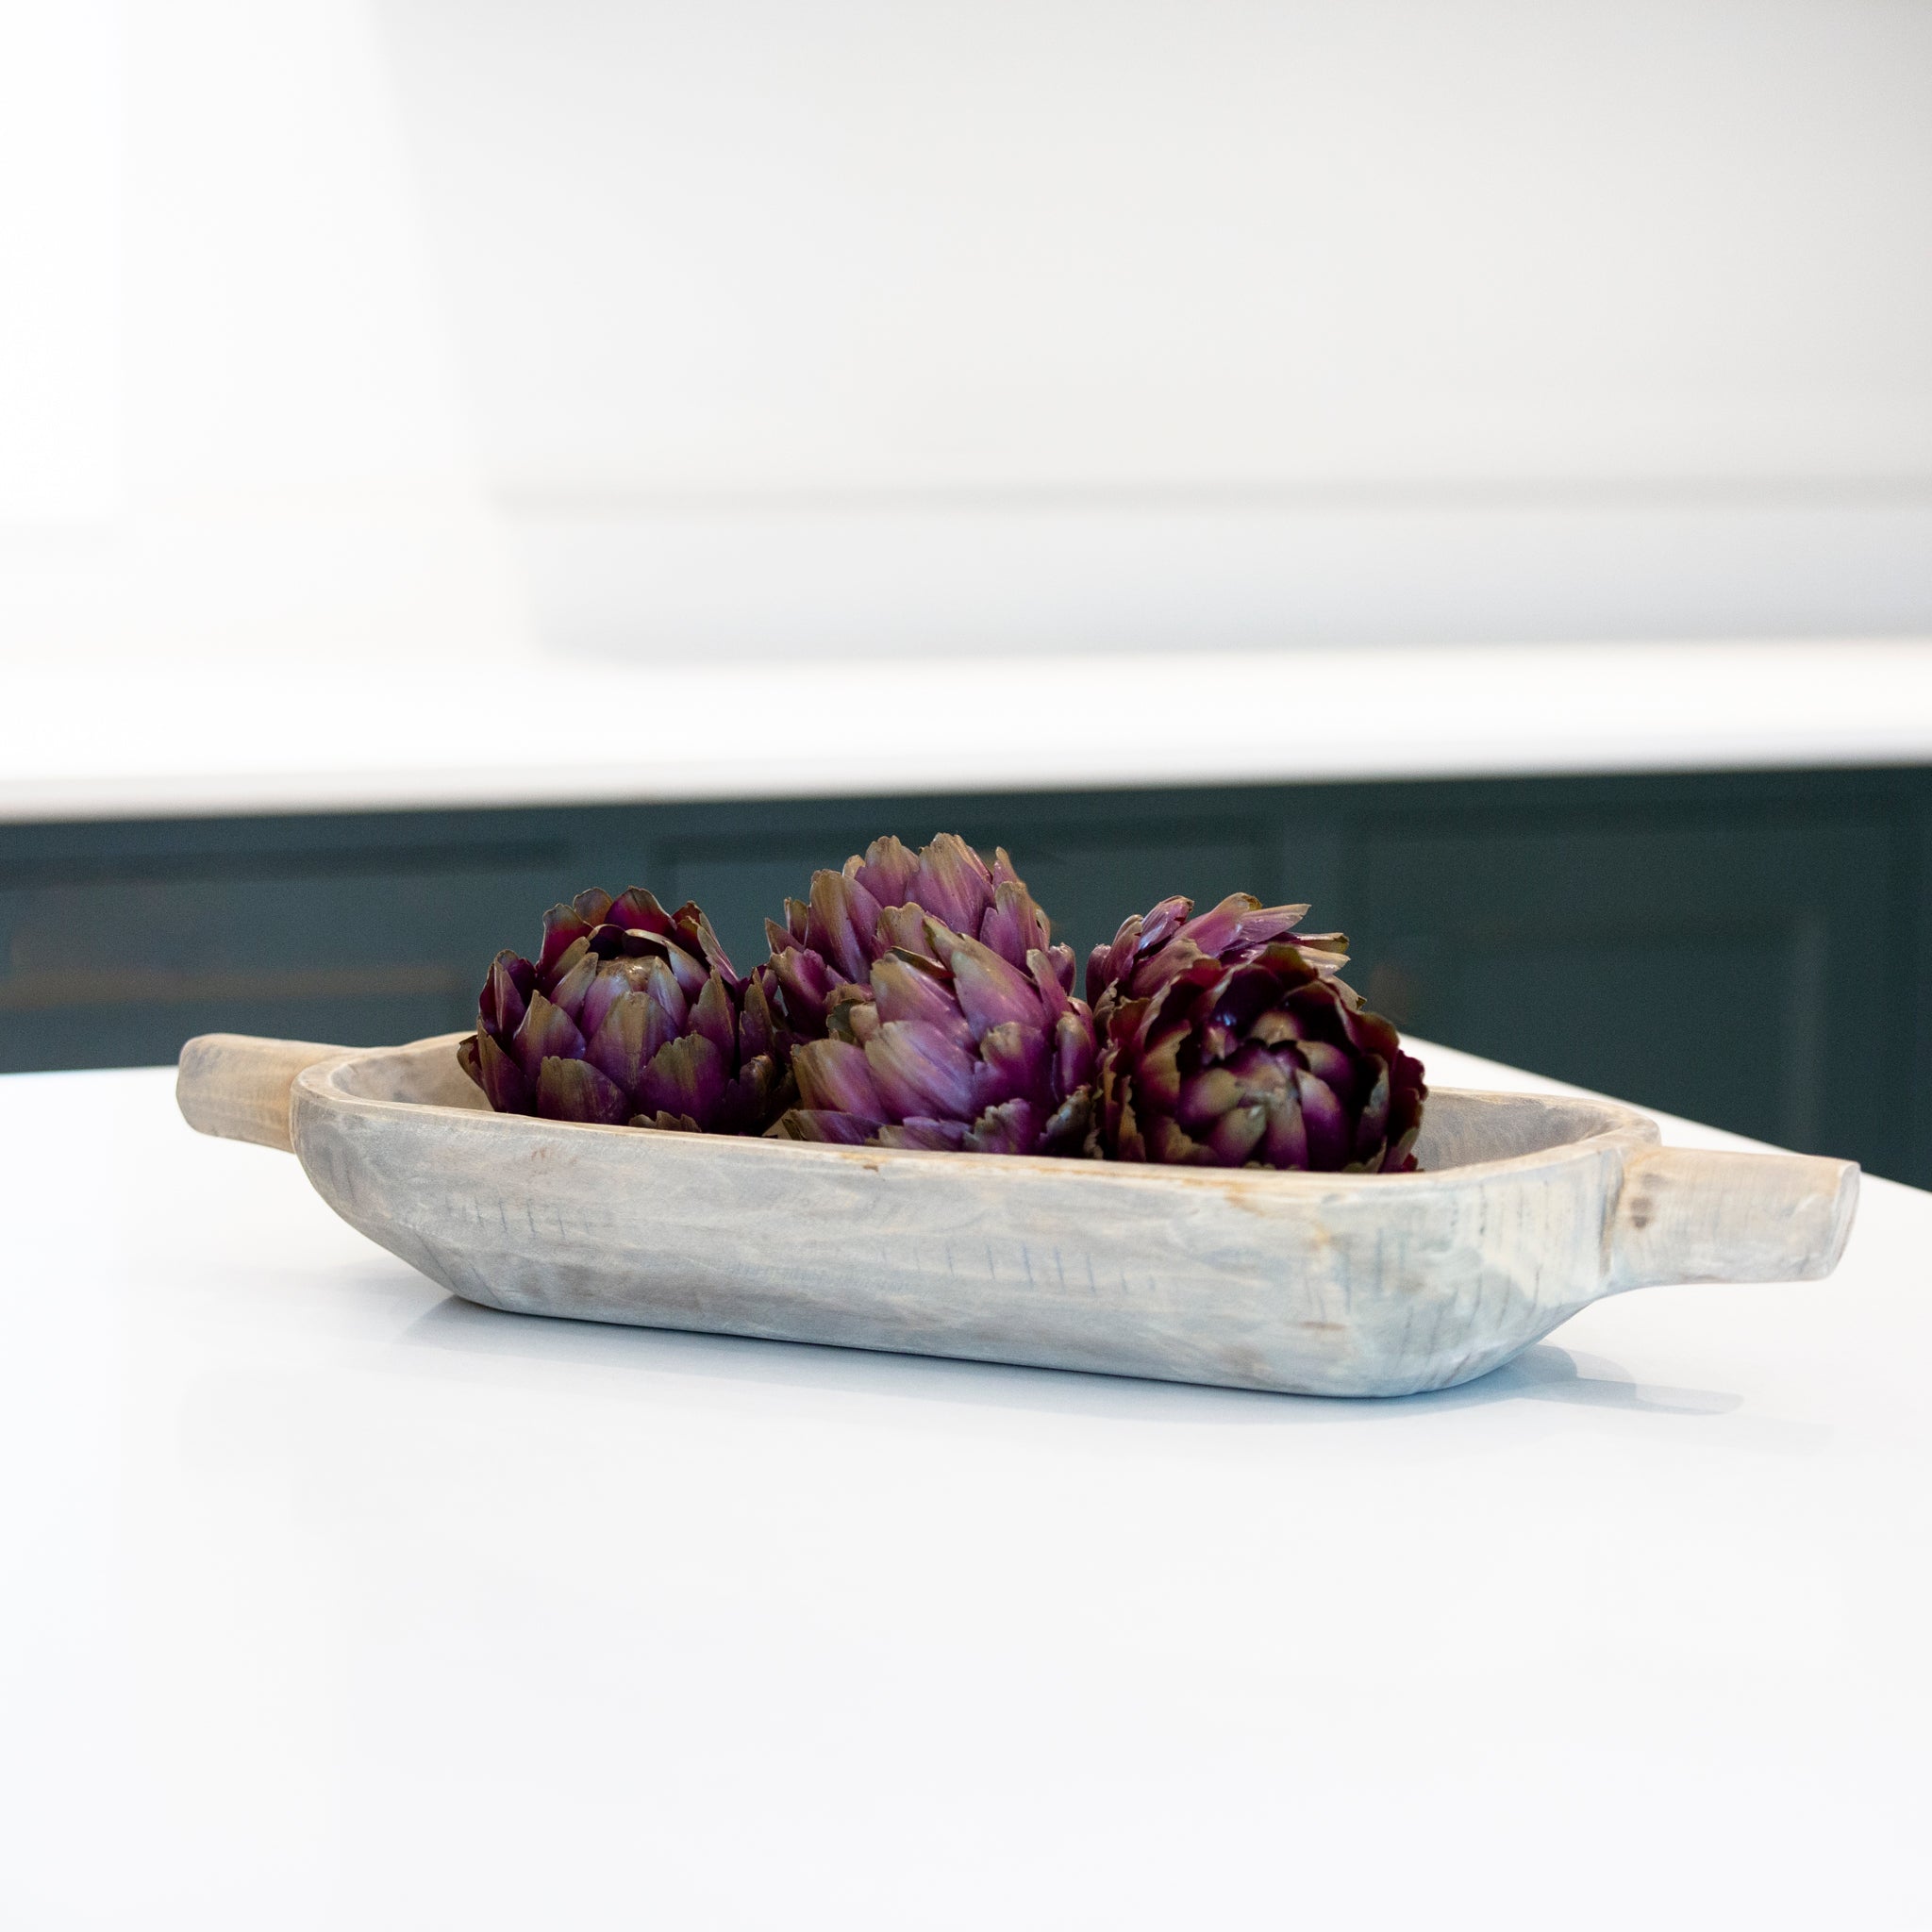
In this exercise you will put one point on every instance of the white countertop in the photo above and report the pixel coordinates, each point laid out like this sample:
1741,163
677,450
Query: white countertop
151,738
335,1602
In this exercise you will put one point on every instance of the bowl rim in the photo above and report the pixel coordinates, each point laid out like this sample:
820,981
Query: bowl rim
1618,1126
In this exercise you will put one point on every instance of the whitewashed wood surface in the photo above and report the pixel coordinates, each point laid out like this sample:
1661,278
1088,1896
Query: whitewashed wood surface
1529,1209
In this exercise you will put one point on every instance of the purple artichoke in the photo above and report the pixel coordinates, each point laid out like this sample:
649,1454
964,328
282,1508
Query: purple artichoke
630,1014
881,902
1229,1041
1164,940
951,1048
926,1007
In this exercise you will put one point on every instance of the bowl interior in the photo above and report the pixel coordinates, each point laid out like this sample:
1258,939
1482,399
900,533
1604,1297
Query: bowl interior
1461,1126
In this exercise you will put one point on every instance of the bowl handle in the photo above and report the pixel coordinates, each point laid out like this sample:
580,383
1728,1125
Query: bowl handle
237,1086
1688,1214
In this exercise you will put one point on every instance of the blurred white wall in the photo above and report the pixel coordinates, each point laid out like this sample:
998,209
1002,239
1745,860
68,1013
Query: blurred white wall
944,321
230,426
949,244
59,266
348,325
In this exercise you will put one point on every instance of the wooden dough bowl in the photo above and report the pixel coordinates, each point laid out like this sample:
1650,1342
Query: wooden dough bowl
1530,1207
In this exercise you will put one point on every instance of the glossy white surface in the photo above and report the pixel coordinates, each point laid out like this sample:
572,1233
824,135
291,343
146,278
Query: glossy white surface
334,1602
158,735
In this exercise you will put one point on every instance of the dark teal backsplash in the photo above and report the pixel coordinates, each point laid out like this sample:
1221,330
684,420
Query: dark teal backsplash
1748,949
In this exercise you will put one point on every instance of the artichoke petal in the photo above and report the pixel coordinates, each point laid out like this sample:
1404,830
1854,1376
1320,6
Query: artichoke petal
1323,1115
634,1031
1287,1143
1235,1136
954,883
1043,969
1275,1028
1015,1059
758,1032
753,1096
1371,1126
1074,1050
571,991
843,923
990,991
1336,1067
1158,1071
824,1123
507,994
1068,1126
919,1069
687,969
806,984
638,910
506,1086
832,1075
852,1016
907,987
1011,1127
563,927
1241,920
1015,926
613,980
547,1032
576,1090
902,929
697,935
1220,927
686,1076
715,1017
888,870
1205,1097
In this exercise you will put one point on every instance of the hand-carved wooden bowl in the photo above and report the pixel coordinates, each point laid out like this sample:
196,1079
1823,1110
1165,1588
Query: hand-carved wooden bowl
1528,1208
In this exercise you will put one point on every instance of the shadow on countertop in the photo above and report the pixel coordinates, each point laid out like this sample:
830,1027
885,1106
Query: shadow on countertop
1542,1372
